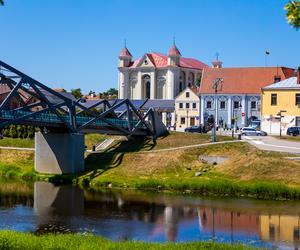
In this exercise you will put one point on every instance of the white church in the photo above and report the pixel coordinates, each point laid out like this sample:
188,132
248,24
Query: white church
156,75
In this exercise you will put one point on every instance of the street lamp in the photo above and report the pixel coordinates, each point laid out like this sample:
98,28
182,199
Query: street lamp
234,118
280,116
217,86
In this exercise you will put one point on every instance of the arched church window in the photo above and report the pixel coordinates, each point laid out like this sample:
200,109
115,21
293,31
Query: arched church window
198,79
161,82
147,86
191,79
181,81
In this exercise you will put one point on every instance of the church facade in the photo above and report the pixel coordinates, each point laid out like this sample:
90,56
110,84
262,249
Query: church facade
156,75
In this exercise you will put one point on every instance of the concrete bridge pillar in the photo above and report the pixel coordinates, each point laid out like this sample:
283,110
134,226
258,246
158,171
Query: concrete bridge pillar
59,153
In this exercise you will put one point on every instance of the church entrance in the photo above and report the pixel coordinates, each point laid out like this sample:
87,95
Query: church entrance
146,86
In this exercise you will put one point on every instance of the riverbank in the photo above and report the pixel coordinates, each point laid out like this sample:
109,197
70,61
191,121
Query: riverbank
16,240
143,164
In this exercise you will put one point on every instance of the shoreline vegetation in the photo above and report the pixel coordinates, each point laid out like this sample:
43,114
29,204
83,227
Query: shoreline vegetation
17,240
248,172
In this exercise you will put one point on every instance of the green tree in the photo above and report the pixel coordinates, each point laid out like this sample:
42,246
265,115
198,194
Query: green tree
1,2
13,131
76,93
30,131
293,13
112,92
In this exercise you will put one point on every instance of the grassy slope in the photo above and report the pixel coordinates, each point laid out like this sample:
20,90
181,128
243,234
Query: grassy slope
90,140
248,171
20,164
14,240
21,143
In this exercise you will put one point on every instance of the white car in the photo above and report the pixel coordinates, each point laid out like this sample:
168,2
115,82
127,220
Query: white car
252,132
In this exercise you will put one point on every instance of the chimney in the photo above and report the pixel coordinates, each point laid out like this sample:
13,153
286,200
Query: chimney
298,75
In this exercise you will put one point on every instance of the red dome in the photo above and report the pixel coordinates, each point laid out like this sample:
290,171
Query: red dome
174,51
125,52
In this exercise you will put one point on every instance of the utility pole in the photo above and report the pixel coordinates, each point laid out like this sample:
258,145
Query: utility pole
217,86
280,117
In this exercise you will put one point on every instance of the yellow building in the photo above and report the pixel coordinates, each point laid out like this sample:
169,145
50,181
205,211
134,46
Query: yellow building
280,228
281,96
187,108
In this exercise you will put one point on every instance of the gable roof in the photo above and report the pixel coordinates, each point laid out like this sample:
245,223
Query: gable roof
193,89
161,61
242,80
290,83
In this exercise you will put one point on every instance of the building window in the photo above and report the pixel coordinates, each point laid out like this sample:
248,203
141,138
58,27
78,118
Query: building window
273,99
187,94
222,104
208,104
236,104
194,105
187,105
298,121
182,120
298,99
181,105
253,105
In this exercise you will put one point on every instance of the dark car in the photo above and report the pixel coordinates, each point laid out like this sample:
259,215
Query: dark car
193,129
293,131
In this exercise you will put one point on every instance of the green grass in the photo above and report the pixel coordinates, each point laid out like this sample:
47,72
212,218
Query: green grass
16,164
17,142
15,240
90,140
94,139
133,164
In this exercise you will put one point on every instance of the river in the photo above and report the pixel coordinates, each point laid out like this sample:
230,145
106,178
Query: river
41,207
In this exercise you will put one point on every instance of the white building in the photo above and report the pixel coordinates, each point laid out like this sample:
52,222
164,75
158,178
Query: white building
157,76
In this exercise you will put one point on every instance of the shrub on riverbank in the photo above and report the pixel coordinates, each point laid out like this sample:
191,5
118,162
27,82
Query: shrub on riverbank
15,240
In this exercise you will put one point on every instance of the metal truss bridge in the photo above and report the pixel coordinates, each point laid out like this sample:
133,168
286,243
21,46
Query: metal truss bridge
29,102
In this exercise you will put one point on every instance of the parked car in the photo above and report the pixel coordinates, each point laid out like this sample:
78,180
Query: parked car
293,131
252,132
193,129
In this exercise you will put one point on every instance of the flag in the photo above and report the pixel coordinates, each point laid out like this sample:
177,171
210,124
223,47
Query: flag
267,52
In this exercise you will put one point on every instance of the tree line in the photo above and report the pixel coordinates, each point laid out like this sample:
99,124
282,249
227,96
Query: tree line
111,93
19,131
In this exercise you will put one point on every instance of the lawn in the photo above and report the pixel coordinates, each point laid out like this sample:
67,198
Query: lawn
90,140
17,142
15,240
136,163
248,171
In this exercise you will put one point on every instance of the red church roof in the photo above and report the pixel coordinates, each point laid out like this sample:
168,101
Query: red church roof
161,61
242,80
174,51
125,52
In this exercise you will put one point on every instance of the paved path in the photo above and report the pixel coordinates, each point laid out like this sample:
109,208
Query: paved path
16,148
273,144
185,147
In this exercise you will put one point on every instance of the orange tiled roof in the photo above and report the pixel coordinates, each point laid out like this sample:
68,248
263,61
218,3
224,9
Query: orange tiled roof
242,80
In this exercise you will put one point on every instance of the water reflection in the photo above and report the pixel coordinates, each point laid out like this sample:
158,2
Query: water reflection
137,216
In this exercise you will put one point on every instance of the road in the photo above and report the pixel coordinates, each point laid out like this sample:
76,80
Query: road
273,144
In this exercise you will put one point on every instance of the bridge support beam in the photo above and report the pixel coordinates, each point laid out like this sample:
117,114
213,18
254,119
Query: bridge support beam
57,153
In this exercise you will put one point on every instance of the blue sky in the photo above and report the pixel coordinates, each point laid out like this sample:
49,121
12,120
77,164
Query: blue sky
76,43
